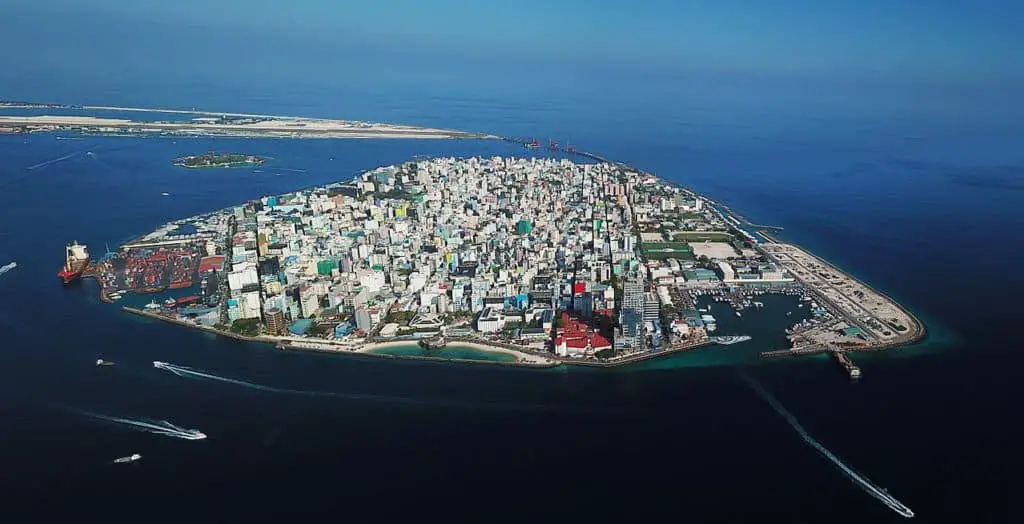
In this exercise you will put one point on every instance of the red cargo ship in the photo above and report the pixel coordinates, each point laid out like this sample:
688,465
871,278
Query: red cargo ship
76,259
184,301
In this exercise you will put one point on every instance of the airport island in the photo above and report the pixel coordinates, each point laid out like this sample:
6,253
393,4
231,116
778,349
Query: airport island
203,123
543,261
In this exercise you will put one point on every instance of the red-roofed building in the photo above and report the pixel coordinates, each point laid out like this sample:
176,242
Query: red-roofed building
597,342
211,263
576,336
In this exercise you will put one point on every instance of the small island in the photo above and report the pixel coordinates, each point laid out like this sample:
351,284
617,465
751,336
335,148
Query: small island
215,159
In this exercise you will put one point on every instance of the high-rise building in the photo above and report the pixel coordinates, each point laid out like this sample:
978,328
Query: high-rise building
275,321
651,307
363,321
309,300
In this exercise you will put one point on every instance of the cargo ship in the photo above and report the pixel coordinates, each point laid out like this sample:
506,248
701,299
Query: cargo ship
76,259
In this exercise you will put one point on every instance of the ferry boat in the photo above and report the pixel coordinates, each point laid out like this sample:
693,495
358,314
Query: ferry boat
76,259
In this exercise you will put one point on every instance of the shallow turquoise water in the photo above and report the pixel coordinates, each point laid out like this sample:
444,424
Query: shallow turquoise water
459,352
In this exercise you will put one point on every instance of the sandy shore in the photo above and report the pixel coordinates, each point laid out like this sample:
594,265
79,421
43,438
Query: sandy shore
521,357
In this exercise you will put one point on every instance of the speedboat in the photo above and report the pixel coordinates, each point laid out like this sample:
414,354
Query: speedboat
101,362
125,460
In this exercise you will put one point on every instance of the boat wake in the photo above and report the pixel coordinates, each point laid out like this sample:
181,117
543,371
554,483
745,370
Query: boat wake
157,427
55,160
869,487
195,374
8,267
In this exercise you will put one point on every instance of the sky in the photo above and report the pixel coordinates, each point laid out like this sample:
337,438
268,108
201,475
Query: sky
938,46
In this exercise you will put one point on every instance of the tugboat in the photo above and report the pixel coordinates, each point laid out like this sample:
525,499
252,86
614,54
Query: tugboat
76,259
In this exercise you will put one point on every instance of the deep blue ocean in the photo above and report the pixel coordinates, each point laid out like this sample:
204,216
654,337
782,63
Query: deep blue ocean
928,211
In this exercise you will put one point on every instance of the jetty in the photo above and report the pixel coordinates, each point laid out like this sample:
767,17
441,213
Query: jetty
841,356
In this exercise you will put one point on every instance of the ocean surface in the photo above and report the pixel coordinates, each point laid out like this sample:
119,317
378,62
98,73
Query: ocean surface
929,212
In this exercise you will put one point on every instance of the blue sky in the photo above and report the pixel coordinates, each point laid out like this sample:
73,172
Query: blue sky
939,38
939,46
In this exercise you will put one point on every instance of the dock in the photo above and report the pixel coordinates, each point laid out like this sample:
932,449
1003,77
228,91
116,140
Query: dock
844,360
797,351
839,355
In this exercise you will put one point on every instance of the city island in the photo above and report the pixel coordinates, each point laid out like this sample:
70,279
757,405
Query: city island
215,159
546,262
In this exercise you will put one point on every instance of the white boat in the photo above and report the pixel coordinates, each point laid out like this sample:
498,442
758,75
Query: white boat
730,339
738,314
153,305
165,194
101,362
125,460
8,267
710,327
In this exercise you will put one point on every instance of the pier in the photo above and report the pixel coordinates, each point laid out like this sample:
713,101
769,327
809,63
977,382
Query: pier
839,355
797,352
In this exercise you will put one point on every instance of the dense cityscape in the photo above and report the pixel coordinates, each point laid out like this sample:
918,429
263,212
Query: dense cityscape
547,260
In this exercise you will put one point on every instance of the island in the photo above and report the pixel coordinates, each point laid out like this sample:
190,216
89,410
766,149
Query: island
546,261
205,123
215,159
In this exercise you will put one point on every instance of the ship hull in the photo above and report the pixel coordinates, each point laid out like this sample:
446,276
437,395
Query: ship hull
68,277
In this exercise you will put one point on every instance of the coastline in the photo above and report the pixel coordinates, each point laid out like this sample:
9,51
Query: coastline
324,346
524,360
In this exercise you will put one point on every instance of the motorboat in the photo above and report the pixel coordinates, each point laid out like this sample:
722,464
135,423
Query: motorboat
129,459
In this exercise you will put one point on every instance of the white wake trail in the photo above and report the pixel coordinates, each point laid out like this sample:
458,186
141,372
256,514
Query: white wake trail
863,482
55,160
195,374
163,427
8,267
